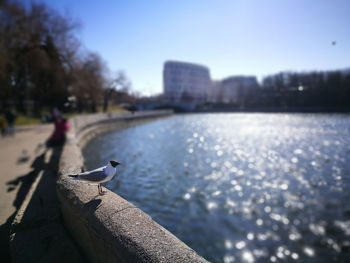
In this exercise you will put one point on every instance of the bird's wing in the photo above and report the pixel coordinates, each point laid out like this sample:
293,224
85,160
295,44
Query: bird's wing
99,169
93,176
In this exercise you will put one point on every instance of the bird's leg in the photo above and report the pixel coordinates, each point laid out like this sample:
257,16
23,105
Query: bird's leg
100,191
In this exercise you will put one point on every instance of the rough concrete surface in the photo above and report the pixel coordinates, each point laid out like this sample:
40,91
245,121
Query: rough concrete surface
107,227
110,229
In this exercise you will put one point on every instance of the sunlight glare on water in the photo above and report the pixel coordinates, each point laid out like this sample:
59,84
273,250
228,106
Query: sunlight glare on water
240,187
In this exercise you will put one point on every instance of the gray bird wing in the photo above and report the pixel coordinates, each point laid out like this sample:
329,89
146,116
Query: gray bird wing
93,176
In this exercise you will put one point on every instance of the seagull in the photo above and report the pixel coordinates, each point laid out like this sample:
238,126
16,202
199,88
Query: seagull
99,175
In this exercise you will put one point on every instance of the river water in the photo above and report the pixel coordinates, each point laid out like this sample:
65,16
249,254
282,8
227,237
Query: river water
240,187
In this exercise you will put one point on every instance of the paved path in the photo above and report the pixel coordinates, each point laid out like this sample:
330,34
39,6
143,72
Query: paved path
17,154
31,225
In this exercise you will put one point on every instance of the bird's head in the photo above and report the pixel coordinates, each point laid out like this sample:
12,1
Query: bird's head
114,163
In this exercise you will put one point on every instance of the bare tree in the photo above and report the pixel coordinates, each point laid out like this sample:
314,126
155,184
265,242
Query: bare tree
116,86
38,45
89,82
41,61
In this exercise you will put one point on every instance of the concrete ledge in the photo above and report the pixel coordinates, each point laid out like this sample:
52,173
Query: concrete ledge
108,228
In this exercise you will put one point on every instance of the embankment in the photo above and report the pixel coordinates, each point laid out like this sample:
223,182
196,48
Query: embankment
109,228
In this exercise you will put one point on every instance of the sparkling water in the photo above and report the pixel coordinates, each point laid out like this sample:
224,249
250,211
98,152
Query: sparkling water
240,187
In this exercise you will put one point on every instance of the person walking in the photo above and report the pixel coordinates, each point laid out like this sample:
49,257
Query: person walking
3,125
10,118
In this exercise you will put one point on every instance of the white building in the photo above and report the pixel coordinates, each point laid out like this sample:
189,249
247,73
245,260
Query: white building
186,82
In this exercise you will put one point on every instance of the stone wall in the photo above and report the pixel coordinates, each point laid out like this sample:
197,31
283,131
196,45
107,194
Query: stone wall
107,227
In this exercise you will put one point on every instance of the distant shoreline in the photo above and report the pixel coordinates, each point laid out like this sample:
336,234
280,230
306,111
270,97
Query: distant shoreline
275,110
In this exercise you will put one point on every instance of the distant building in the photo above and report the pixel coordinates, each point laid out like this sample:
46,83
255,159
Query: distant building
186,82
214,94
235,89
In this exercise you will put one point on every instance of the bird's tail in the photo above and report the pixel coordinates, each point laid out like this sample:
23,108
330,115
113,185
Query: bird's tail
73,175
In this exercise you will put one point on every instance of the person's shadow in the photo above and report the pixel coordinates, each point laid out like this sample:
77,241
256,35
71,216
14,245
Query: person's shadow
25,182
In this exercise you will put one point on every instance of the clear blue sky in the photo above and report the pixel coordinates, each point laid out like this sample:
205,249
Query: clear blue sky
231,37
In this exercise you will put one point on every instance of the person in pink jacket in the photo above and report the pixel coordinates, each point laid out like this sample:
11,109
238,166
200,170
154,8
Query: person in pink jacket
58,136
